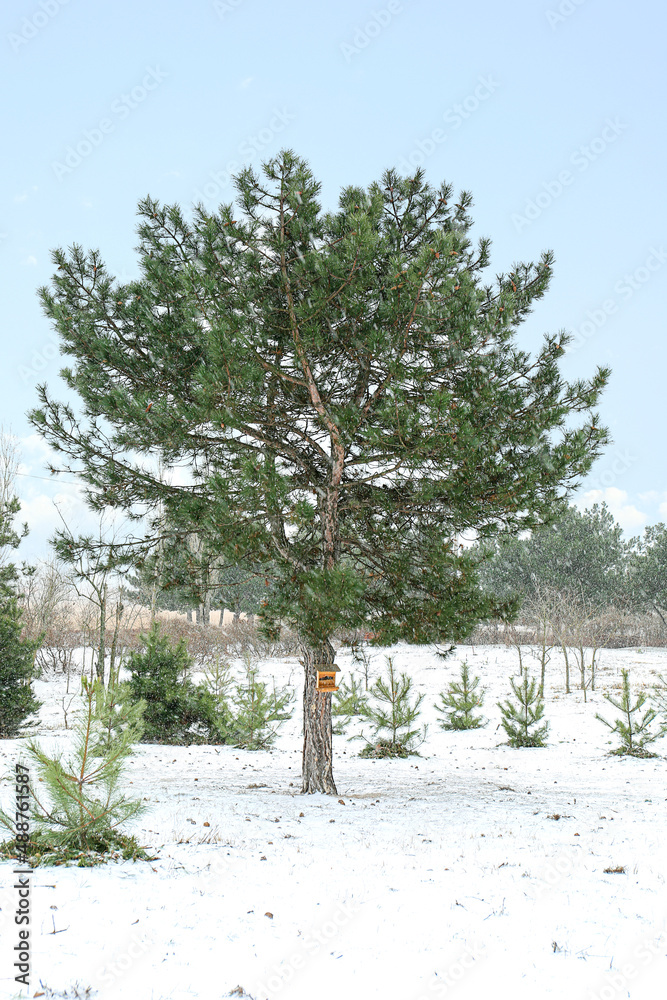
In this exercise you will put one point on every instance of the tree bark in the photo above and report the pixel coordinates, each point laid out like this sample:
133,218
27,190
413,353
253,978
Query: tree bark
317,764
101,653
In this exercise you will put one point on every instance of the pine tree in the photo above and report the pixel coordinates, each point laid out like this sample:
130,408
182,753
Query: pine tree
349,702
635,733
392,735
18,704
258,712
647,584
519,719
119,717
176,710
582,554
459,702
81,806
347,392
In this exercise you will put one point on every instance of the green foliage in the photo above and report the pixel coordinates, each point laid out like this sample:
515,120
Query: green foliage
648,570
660,696
518,719
395,720
119,718
185,572
459,702
218,680
113,846
18,704
257,710
350,701
81,806
374,323
177,711
582,553
635,733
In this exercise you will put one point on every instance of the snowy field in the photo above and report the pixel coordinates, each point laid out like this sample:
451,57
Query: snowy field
473,872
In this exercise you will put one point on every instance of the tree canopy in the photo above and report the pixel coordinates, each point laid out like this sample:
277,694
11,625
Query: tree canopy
582,554
343,388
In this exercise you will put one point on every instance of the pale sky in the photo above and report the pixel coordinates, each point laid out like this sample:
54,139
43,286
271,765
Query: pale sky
551,112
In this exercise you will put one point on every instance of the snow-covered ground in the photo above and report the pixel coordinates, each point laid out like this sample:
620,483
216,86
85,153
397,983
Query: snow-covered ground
475,871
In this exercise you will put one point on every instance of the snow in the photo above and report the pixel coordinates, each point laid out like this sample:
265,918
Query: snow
445,875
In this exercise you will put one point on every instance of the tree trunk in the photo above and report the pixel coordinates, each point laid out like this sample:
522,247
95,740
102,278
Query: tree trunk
114,641
317,770
101,653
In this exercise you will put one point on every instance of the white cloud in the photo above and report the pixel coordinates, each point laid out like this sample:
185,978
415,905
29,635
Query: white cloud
246,82
20,197
649,497
30,260
627,515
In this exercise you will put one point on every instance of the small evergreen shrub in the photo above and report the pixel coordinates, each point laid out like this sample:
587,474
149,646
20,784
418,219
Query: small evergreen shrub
635,733
118,716
660,697
349,702
177,711
18,704
78,813
258,712
519,720
458,703
391,732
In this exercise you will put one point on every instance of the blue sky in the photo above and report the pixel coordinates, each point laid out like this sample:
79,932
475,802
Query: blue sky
551,112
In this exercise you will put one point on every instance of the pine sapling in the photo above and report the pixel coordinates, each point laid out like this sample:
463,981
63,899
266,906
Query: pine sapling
120,718
394,721
258,713
660,696
635,733
349,702
81,807
519,719
459,701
